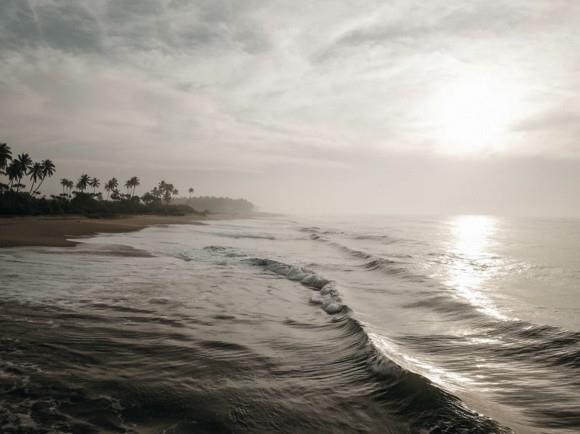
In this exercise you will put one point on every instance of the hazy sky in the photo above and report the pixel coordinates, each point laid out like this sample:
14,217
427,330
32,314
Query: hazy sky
438,106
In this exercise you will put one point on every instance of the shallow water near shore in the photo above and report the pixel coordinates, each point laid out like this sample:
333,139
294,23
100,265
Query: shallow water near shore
367,324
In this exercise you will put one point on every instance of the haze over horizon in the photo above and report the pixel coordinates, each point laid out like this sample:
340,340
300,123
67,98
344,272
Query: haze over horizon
332,106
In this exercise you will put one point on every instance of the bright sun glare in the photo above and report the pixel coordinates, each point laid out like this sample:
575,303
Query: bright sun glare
473,114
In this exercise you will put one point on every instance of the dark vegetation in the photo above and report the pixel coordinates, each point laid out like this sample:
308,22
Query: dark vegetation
224,205
20,194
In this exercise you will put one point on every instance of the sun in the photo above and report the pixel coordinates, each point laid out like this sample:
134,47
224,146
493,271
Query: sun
473,114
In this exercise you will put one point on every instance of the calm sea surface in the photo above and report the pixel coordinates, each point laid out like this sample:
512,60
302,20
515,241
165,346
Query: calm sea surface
297,325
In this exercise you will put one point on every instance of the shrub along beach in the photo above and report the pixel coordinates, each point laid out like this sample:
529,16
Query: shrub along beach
81,209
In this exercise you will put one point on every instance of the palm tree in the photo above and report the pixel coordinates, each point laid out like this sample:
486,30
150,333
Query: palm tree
12,171
190,191
70,185
47,170
95,183
35,174
17,169
83,182
5,157
111,185
64,182
134,182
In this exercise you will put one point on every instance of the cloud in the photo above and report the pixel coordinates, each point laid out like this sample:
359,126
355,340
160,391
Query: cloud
248,86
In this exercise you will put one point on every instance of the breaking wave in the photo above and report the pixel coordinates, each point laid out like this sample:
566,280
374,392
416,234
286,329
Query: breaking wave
327,297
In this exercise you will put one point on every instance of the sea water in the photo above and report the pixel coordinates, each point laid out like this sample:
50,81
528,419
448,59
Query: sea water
297,324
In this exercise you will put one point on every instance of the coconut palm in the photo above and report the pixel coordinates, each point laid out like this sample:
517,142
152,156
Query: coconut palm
64,182
94,183
12,171
83,182
47,170
133,184
17,169
70,185
166,191
190,191
128,187
5,157
111,185
35,174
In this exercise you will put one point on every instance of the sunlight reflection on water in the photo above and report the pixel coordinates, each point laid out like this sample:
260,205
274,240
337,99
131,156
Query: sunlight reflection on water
472,264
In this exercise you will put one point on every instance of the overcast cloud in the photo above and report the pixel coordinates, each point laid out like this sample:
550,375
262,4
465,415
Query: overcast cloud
299,105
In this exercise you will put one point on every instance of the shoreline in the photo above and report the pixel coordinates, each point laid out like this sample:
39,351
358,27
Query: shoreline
47,231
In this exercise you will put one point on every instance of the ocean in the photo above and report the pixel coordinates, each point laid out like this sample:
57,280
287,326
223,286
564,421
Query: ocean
462,324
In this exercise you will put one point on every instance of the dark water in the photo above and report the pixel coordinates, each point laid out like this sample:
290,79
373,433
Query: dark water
466,324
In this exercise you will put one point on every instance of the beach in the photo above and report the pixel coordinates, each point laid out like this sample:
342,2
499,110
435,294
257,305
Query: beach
57,231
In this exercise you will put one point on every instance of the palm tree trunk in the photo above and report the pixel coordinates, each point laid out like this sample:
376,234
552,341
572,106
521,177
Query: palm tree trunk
39,185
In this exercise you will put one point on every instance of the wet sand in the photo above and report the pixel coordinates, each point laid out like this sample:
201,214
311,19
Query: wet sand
56,231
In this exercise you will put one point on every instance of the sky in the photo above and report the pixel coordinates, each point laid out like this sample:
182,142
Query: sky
327,106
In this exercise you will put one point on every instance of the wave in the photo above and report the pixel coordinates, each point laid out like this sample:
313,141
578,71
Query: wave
420,405
378,263
242,235
328,296
229,252
405,393
540,343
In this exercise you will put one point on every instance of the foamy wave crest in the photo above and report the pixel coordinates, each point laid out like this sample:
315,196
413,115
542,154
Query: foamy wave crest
328,296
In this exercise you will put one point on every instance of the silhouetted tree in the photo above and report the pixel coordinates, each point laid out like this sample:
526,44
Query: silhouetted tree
35,174
47,170
64,183
150,198
94,183
83,182
167,191
111,186
5,157
131,185
19,167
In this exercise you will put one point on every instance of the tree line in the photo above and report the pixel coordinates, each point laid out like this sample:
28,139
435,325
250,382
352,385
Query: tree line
82,196
213,204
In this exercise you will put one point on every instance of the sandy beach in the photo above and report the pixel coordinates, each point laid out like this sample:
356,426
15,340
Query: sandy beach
56,231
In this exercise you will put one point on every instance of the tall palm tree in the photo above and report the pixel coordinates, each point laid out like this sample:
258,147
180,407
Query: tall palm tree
17,169
131,185
47,170
35,174
95,183
70,185
5,157
83,182
64,182
12,171
128,186
111,185
190,191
